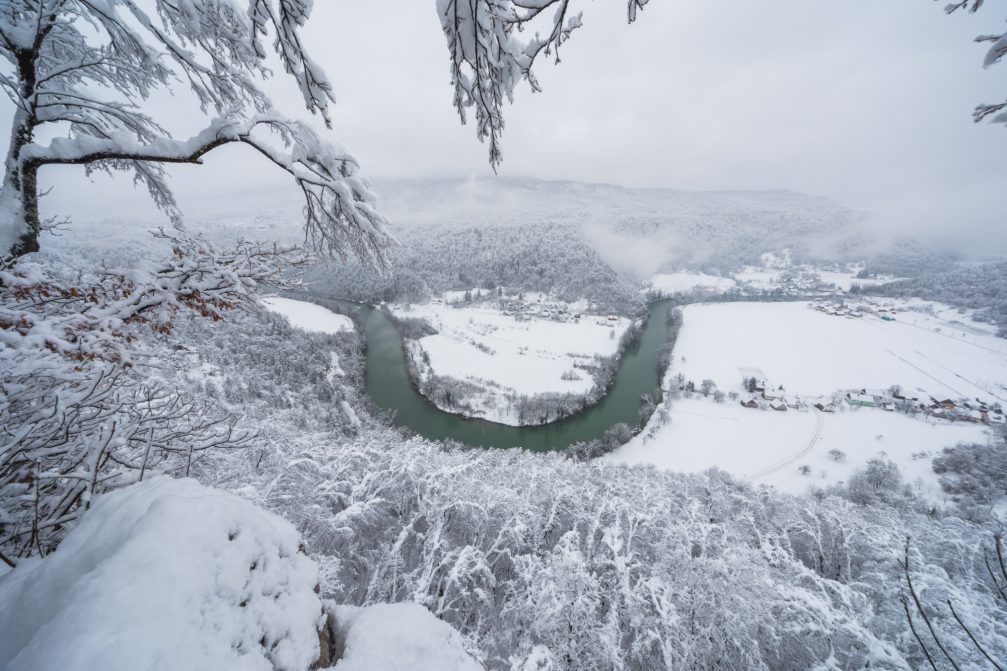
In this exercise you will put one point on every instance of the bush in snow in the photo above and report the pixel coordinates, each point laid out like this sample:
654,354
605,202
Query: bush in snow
879,481
976,473
77,417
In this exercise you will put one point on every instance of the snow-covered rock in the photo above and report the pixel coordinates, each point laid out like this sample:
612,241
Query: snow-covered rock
169,574
397,636
165,574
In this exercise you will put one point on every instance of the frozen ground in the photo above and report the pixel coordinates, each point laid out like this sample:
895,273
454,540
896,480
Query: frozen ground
810,353
309,316
505,356
767,447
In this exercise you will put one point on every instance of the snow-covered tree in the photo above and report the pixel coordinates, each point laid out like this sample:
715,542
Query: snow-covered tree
83,68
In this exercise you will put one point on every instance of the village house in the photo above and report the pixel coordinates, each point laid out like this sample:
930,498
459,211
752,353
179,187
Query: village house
773,393
749,403
779,405
826,407
861,400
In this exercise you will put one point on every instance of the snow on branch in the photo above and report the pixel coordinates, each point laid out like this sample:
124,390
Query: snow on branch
93,320
340,207
77,414
489,57
995,112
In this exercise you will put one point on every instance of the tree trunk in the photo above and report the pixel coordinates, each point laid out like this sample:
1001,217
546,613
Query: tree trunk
19,218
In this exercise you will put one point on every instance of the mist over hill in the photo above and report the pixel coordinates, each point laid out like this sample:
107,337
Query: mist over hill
575,239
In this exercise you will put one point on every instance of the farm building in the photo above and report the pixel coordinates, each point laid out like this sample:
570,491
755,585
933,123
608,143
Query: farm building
861,399
773,393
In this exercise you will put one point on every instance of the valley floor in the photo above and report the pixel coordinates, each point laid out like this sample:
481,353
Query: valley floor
808,356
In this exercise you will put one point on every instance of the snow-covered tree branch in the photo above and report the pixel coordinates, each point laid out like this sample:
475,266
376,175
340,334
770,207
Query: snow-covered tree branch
84,67
489,56
75,418
995,112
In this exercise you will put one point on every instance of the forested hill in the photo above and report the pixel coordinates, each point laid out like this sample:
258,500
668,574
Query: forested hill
554,258
643,230
576,240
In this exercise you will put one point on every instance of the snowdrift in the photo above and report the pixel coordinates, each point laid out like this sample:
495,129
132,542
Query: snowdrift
170,574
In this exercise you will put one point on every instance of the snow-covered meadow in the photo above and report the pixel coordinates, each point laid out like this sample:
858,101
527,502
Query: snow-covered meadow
506,356
767,447
686,282
811,354
309,316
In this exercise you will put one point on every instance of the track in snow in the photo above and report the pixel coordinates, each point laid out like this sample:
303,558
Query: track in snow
769,470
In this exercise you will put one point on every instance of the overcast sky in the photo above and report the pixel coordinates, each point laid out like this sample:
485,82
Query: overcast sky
865,101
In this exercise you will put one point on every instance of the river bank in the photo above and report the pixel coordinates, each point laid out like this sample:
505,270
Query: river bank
387,381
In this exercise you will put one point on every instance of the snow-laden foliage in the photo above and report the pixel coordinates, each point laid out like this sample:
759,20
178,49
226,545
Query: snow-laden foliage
166,574
82,69
79,412
536,557
491,52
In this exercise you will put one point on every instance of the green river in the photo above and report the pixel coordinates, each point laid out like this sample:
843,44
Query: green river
390,389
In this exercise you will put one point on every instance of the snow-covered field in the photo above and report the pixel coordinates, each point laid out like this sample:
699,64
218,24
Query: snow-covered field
524,357
309,316
685,282
767,447
812,354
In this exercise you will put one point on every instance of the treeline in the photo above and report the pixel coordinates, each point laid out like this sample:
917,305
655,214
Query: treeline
432,259
981,287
